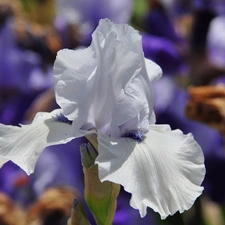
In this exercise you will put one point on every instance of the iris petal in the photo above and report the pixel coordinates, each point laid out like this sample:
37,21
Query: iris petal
153,70
72,72
93,86
24,144
163,172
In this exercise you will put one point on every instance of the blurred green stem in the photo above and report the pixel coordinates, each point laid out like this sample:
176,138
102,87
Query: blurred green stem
77,215
197,218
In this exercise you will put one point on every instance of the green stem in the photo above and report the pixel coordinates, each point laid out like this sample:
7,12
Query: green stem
77,215
101,197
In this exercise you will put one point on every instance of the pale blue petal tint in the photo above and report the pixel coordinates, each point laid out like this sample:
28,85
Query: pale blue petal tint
108,84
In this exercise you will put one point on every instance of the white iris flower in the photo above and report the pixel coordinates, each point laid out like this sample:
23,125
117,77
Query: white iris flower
106,88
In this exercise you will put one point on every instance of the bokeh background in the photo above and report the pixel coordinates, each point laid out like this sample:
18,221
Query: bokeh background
185,37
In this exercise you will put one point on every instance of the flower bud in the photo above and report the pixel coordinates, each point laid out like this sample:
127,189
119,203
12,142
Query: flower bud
100,196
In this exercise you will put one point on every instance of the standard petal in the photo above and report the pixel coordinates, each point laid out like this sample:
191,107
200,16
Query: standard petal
141,89
131,83
116,67
154,70
24,144
70,59
164,172
95,93
111,84
125,33
72,73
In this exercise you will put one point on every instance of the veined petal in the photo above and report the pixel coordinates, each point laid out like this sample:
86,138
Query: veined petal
24,144
164,172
